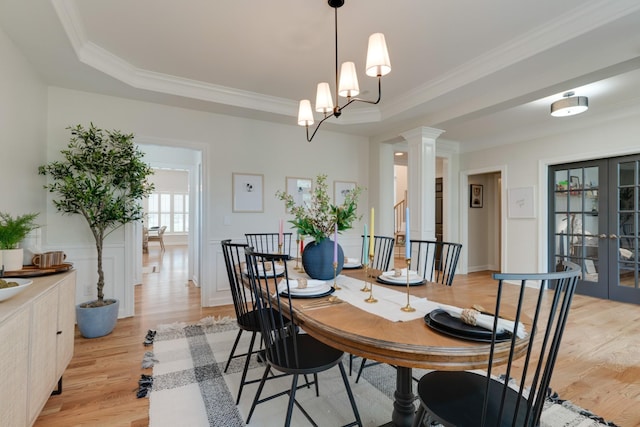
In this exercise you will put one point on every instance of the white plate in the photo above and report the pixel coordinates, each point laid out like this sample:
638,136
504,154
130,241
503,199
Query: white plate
279,270
316,290
390,276
314,287
7,293
352,263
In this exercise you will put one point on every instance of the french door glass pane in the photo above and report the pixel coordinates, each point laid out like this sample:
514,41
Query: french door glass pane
576,219
628,204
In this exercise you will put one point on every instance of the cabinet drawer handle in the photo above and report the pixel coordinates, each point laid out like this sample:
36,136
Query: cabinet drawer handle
59,333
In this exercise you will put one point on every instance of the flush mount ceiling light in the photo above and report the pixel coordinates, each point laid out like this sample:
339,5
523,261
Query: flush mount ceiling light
569,105
378,65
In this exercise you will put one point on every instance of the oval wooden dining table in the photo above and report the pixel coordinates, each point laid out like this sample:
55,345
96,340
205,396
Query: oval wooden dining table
406,344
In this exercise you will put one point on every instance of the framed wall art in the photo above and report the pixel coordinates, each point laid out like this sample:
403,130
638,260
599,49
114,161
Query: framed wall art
341,189
248,195
521,203
475,196
299,189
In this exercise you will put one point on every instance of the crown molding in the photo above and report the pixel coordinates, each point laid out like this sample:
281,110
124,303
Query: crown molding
103,60
581,20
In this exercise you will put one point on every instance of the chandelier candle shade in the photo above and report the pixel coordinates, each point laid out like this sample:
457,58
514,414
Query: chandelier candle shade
377,65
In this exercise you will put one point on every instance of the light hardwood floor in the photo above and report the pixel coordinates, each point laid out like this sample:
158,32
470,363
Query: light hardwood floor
598,368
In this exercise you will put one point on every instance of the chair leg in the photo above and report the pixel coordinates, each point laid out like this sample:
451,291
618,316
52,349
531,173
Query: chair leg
258,392
292,399
233,350
418,421
246,366
362,365
350,394
315,380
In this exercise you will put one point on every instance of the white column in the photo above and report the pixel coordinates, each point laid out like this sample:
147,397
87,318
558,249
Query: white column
421,178
381,187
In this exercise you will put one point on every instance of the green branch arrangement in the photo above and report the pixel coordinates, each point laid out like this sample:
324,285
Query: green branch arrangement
317,219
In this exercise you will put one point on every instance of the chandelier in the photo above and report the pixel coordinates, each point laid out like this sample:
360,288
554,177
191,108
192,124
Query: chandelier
346,82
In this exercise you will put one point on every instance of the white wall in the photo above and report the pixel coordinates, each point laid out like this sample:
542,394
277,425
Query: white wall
23,109
228,144
525,166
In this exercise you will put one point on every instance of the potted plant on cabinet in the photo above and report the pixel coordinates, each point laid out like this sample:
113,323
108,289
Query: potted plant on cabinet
12,231
103,178
318,220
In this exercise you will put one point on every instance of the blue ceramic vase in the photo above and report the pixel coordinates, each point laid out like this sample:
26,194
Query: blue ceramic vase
317,260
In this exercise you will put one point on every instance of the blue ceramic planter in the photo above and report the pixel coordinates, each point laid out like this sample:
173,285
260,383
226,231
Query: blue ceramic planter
94,322
317,260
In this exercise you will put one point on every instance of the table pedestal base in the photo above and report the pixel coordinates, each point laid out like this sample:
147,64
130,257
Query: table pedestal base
403,408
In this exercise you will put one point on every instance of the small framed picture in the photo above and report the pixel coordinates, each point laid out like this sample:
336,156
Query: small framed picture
475,196
340,191
299,189
247,192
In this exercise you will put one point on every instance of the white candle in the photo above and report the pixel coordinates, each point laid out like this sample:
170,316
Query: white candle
365,247
371,243
407,246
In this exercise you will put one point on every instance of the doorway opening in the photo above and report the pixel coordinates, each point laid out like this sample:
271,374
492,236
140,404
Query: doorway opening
594,217
483,208
175,204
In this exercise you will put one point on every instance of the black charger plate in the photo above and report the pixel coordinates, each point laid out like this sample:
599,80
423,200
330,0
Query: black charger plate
381,279
442,321
308,296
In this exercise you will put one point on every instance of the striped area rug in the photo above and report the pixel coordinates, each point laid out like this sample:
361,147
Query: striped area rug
190,388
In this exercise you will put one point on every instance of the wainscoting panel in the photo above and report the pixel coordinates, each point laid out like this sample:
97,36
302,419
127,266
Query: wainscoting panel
86,265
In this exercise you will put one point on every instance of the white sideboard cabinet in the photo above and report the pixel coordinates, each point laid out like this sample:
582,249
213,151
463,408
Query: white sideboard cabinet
36,345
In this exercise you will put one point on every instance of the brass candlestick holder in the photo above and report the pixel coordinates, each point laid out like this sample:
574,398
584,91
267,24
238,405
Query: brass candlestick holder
335,271
371,299
408,307
280,252
365,288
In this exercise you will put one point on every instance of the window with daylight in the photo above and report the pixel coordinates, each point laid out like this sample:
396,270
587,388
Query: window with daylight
169,204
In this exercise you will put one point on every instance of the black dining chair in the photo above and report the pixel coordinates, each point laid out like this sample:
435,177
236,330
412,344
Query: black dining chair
247,311
383,252
268,242
516,396
435,261
287,349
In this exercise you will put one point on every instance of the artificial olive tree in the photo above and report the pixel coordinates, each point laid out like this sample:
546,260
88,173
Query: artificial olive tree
103,178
